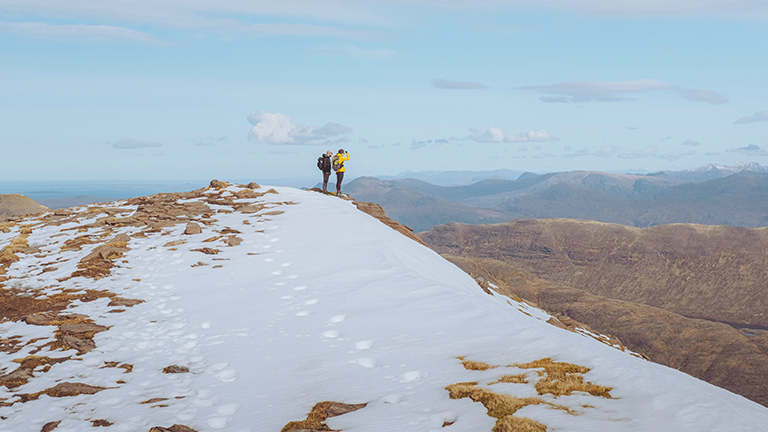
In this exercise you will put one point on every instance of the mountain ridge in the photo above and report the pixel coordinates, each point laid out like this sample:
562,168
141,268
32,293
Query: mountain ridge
243,307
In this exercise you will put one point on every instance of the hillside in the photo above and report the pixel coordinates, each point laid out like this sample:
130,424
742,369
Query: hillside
645,286
15,205
711,272
246,308
715,352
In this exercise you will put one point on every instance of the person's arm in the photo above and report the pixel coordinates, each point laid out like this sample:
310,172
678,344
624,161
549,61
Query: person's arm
345,157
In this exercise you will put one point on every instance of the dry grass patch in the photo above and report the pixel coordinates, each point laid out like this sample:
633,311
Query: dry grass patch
563,379
502,407
475,365
315,420
514,379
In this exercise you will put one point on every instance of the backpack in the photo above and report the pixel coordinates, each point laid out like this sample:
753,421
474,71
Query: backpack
320,163
336,164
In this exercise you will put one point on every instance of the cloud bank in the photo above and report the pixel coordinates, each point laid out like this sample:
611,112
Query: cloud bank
129,143
613,91
759,116
457,85
277,128
496,135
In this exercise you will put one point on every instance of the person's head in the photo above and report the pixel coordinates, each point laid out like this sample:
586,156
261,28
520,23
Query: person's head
329,153
341,151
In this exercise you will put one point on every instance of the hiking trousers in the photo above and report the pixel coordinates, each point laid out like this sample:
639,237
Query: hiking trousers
326,176
339,179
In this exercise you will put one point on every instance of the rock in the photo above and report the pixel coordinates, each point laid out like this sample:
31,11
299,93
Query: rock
232,240
119,301
175,243
252,185
82,328
174,428
48,427
174,369
207,251
216,184
193,228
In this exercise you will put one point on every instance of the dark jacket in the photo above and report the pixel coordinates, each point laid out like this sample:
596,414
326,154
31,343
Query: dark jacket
326,163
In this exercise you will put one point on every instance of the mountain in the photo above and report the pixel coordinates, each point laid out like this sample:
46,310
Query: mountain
652,287
455,178
633,200
713,171
418,209
249,308
15,205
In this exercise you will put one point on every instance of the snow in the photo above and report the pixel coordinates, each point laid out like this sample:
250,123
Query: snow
323,303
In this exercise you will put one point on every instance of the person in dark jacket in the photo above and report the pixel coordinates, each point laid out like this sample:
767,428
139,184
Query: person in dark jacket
326,167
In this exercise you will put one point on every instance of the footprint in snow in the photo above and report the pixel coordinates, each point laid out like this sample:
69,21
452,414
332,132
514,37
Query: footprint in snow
311,302
331,334
337,319
300,288
366,362
364,345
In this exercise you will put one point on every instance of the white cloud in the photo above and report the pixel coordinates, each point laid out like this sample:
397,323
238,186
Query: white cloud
691,143
353,51
101,33
277,128
750,150
759,116
707,96
457,85
129,143
613,91
496,135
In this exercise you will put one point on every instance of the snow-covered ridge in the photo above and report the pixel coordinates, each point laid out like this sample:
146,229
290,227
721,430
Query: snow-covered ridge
129,317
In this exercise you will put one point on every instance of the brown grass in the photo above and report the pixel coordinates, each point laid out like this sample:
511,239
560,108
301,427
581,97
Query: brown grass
515,379
518,424
564,379
18,244
502,407
475,365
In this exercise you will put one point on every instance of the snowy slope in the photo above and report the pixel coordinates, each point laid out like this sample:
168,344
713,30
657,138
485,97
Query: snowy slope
319,302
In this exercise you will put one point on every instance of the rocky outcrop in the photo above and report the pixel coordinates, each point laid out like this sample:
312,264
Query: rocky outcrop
376,211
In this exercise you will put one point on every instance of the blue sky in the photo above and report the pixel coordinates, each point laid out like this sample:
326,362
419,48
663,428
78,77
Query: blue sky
236,89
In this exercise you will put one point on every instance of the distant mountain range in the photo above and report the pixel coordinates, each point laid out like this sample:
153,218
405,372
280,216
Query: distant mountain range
714,195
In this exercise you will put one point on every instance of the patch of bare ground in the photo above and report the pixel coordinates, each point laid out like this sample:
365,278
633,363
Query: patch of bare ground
64,389
316,418
555,378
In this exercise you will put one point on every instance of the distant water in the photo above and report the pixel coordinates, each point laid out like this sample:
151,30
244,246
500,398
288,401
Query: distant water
61,194
58,194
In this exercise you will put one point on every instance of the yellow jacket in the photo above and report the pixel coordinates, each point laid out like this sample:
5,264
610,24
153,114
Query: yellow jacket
342,158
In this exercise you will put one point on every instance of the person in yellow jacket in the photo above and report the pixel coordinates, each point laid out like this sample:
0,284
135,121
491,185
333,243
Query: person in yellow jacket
338,166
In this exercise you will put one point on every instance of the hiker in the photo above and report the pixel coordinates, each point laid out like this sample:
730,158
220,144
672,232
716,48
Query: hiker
338,166
324,163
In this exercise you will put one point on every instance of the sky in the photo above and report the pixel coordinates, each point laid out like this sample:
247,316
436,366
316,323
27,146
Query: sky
236,89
